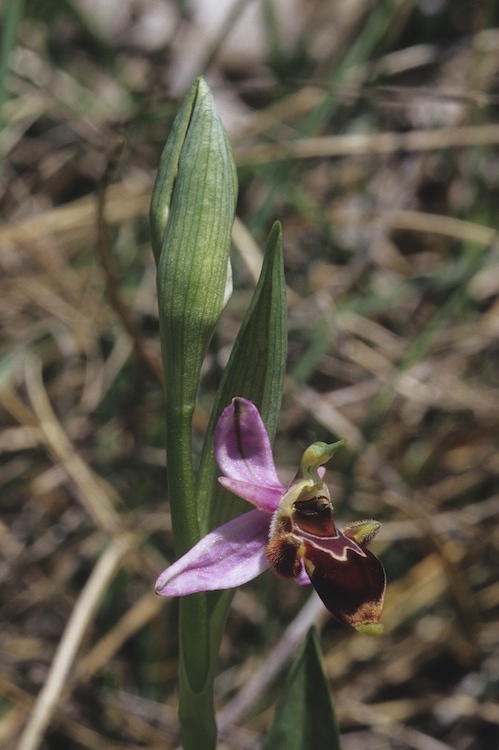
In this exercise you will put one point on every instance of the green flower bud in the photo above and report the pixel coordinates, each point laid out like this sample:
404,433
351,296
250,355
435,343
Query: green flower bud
192,212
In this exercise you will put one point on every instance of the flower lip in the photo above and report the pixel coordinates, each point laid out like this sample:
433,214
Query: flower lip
349,579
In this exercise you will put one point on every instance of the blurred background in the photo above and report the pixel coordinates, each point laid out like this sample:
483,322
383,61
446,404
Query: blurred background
370,130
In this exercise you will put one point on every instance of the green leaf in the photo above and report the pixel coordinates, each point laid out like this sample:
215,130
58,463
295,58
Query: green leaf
255,371
305,717
168,170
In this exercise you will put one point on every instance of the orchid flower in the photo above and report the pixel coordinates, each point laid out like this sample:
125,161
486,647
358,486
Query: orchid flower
291,529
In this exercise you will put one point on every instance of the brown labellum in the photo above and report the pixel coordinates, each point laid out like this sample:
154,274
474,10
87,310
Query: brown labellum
349,579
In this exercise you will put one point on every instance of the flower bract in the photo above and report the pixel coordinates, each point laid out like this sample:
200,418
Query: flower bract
291,530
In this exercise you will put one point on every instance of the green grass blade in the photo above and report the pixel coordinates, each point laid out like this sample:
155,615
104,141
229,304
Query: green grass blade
12,14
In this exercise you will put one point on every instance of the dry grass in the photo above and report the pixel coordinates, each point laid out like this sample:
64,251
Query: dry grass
388,201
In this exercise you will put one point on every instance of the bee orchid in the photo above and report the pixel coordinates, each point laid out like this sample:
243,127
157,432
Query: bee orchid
291,530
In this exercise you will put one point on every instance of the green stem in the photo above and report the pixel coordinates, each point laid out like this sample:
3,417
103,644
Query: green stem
196,704
196,713
180,471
